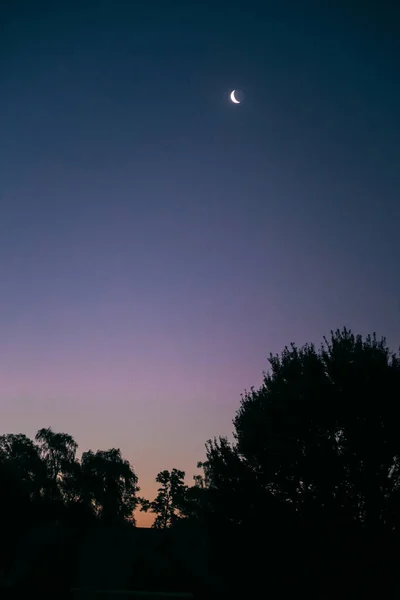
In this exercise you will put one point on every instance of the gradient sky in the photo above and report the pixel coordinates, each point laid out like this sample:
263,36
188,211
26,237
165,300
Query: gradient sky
157,241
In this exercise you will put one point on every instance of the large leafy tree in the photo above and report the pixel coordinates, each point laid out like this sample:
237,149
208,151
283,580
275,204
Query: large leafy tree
312,476
21,457
319,439
322,432
23,478
44,480
110,485
58,452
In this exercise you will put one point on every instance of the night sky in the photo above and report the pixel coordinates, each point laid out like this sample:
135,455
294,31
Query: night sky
157,242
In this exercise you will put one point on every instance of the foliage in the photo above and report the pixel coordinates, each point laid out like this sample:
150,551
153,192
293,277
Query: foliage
321,433
110,485
20,456
170,500
314,467
311,478
44,480
319,439
23,482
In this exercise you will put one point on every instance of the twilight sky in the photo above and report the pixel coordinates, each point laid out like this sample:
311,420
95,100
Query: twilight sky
157,241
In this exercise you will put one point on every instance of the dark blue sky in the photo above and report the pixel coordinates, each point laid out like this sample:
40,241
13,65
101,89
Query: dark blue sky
157,241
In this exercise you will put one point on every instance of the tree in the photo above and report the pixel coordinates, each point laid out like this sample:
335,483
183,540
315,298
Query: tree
319,438
109,485
322,431
22,481
45,481
22,458
170,500
314,466
23,478
58,452
44,489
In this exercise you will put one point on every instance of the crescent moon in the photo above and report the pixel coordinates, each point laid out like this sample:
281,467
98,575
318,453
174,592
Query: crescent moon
233,97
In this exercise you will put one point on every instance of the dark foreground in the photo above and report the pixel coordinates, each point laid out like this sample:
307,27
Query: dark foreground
101,563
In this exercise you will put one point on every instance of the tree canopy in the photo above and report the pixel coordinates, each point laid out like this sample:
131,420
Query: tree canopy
313,467
47,479
170,500
314,460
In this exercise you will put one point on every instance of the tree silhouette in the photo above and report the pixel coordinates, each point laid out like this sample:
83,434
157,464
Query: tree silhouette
110,485
311,479
57,450
315,462
45,481
322,431
58,453
320,436
22,459
23,481
45,491
170,500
